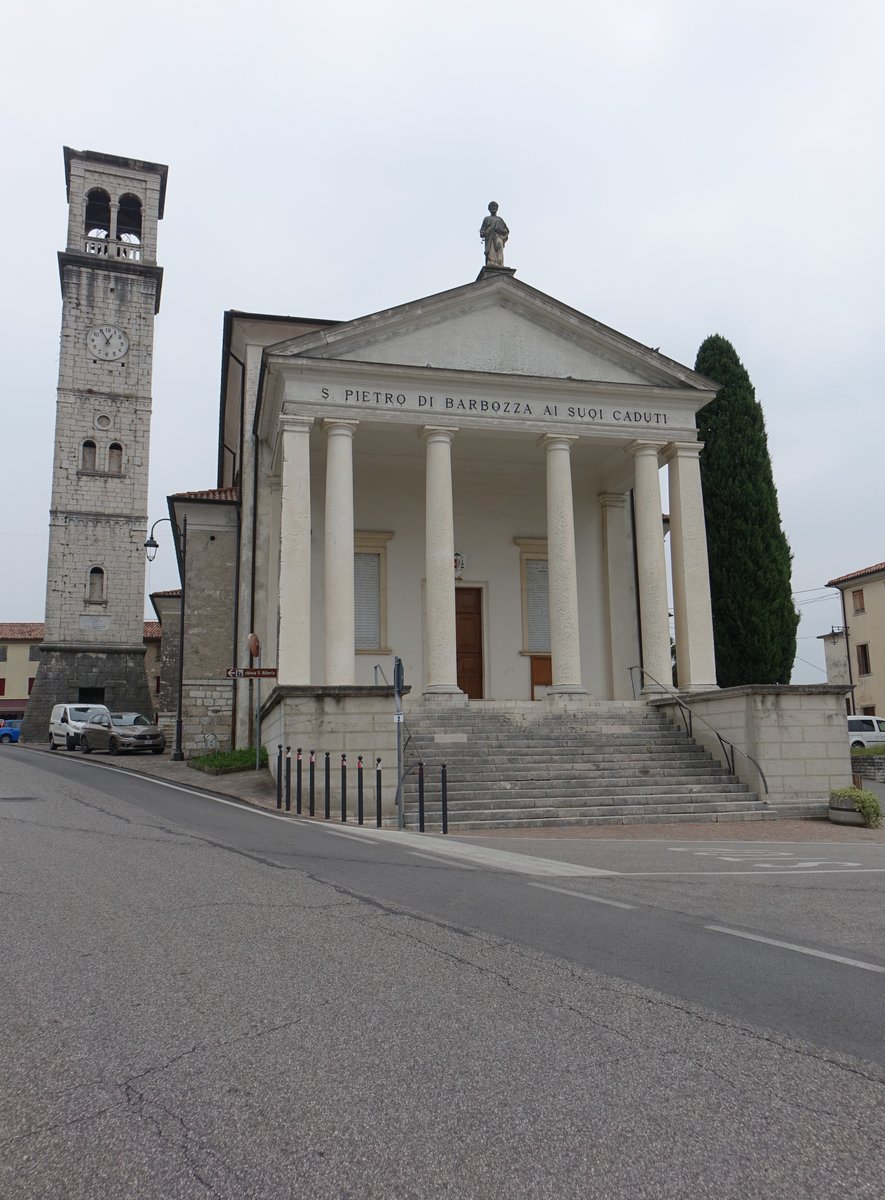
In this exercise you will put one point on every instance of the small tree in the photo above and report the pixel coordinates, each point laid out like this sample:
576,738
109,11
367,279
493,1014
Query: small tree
754,619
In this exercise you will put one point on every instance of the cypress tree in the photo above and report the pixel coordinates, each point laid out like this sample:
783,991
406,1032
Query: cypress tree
754,619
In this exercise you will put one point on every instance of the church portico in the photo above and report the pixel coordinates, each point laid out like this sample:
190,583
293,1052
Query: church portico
453,502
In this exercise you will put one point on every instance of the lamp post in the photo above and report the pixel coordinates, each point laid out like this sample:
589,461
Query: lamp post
151,547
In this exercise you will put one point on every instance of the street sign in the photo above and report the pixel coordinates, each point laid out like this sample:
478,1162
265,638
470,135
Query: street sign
252,673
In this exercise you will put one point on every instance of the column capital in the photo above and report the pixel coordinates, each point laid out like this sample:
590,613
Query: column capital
639,447
437,433
681,450
339,425
294,424
612,499
551,441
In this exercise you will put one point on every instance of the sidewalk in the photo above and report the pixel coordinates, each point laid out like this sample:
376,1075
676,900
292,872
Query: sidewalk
257,788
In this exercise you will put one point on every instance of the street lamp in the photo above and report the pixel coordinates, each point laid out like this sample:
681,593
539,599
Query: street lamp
151,547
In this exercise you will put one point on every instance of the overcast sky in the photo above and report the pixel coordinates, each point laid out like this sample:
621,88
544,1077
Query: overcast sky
673,168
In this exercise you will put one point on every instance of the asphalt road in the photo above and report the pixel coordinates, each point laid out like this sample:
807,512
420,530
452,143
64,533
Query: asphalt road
201,999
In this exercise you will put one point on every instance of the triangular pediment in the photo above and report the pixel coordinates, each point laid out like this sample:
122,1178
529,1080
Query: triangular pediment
497,325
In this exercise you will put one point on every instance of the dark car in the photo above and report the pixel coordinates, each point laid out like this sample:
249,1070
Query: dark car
10,730
120,733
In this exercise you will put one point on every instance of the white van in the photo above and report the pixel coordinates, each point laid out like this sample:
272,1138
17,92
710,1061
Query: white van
866,731
66,721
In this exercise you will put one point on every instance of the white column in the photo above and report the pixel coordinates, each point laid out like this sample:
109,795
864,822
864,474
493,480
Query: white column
653,612
695,655
565,641
441,668
293,664
338,554
623,622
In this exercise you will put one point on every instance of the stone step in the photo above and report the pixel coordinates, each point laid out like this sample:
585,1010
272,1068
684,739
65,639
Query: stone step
735,794
519,768
584,817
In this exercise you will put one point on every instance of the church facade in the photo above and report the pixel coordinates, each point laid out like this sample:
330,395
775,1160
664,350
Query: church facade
469,482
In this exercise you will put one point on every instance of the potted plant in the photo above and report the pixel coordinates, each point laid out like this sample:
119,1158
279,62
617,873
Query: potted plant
855,806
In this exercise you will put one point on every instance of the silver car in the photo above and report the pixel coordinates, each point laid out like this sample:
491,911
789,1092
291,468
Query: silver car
121,732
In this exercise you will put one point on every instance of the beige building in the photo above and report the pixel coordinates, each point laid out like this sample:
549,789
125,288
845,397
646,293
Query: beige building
20,643
855,654
469,482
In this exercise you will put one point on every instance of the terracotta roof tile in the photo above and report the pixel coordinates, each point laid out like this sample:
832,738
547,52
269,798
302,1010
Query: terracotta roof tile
227,494
857,574
170,592
21,631
32,631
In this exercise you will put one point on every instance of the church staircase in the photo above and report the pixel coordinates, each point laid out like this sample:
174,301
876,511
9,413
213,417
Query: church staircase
512,764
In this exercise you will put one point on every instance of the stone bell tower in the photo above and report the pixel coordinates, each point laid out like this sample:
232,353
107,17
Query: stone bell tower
93,648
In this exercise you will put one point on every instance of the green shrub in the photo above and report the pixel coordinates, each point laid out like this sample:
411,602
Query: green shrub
229,760
864,802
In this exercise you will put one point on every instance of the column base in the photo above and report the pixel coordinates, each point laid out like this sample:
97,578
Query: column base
448,694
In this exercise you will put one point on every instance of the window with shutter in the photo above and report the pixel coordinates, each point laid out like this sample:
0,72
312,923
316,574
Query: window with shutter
370,592
535,595
367,606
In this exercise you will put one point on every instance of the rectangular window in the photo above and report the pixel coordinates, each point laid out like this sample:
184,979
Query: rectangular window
2,687
2,654
370,592
863,659
157,685
30,685
535,589
34,653
869,710
857,597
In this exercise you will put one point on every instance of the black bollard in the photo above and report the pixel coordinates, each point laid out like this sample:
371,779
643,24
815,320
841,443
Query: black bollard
298,781
444,792
288,779
359,789
279,776
378,792
420,797
312,778
344,789
327,786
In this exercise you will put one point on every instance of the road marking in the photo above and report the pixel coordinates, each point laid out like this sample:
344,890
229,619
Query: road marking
435,858
754,937
772,871
345,833
581,895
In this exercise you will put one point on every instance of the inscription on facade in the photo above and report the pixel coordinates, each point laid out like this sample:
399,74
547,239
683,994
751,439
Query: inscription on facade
416,401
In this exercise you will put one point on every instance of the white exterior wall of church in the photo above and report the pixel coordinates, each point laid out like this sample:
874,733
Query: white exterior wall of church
389,495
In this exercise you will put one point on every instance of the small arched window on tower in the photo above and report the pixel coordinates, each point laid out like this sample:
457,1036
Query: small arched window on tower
96,593
87,456
129,227
115,459
98,221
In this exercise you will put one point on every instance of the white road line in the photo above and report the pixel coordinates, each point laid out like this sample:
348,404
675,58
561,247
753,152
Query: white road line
581,895
345,833
436,858
728,874
754,937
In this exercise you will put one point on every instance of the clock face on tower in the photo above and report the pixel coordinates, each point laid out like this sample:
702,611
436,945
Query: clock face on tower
107,342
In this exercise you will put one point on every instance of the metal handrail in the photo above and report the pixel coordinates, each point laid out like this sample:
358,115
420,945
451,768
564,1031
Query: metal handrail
688,714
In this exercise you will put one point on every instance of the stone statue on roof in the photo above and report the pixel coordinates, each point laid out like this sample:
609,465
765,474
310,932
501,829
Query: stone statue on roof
494,233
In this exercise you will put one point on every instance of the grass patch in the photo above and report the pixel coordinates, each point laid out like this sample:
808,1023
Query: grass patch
869,751
228,762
